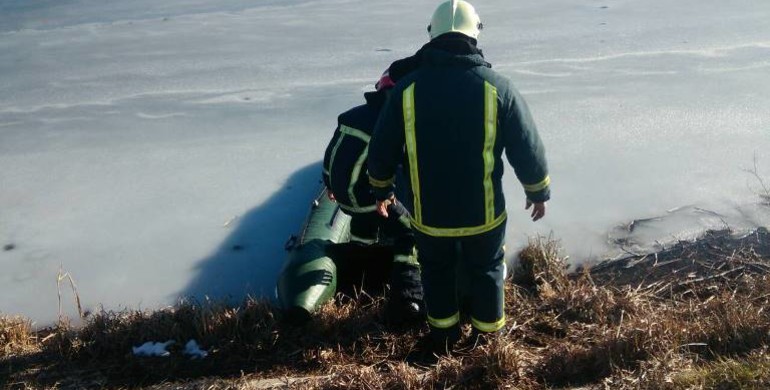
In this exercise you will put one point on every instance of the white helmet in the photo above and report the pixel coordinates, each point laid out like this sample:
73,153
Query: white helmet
455,16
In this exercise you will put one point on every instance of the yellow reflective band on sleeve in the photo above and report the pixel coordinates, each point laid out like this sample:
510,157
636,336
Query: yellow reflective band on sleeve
443,323
411,149
490,133
354,176
488,327
539,186
461,231
381,183
355,133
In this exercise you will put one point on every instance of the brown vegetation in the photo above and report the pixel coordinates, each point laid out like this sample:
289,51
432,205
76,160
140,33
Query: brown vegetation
691,316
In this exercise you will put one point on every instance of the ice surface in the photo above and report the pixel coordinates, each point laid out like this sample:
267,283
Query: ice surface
156,150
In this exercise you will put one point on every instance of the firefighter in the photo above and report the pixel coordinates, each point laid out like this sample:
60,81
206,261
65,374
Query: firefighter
346,179
449,122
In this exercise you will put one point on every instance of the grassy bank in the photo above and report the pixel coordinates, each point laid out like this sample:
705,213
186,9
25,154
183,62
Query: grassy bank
691,316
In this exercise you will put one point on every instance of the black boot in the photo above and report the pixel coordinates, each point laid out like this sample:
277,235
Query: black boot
483,338
443,340
405,301
439,342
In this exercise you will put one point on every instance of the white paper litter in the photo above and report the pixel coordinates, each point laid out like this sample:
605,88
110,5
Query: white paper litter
153,349
194,351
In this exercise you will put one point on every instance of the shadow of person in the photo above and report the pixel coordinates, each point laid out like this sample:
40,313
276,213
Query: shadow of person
249,259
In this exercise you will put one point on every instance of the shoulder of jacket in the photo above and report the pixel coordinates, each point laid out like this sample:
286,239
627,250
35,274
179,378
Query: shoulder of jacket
353,114
405,82
505,88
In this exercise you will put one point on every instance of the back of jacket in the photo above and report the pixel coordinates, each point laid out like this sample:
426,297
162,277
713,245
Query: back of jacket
345,169
454,117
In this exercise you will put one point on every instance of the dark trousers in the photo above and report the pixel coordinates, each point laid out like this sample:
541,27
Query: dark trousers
405,299
368,227
480,260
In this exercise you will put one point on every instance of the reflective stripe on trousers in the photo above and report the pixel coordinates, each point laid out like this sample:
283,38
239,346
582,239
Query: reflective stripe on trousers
475,264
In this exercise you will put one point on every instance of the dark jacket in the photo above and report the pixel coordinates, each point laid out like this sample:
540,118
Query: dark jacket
344,166
449,123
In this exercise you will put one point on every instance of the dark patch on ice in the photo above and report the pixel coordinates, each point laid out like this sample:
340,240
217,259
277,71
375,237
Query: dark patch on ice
237,248
246,98
9,247
604,7
383,49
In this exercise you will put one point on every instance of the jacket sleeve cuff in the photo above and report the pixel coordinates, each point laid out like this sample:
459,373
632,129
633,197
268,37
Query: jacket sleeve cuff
539,192
382,189
540,196
382,194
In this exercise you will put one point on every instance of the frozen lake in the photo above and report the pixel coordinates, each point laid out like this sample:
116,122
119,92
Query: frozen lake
156,150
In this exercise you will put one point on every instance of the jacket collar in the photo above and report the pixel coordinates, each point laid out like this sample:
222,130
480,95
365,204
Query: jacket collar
452,50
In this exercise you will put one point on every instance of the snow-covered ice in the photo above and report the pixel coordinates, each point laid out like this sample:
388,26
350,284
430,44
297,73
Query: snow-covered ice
156,150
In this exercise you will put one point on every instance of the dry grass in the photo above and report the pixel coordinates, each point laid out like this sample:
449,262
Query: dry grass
752,372
651,326
16,336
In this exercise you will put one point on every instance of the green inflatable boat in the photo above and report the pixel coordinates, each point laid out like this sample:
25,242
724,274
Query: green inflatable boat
321,261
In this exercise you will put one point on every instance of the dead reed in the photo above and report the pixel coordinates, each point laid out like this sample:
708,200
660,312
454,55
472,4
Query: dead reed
603,329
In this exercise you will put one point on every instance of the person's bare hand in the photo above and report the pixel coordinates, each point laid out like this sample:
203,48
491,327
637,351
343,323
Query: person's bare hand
538,211
382,206
330,195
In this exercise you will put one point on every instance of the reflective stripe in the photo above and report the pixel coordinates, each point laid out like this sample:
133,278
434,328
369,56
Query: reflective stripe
326,172
334,155
355,133
490,133
381,183
488,327
358,209
411,149
461,231
354,176
443,323
347,130
367,241
404,220
505,270
409,259
539,186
